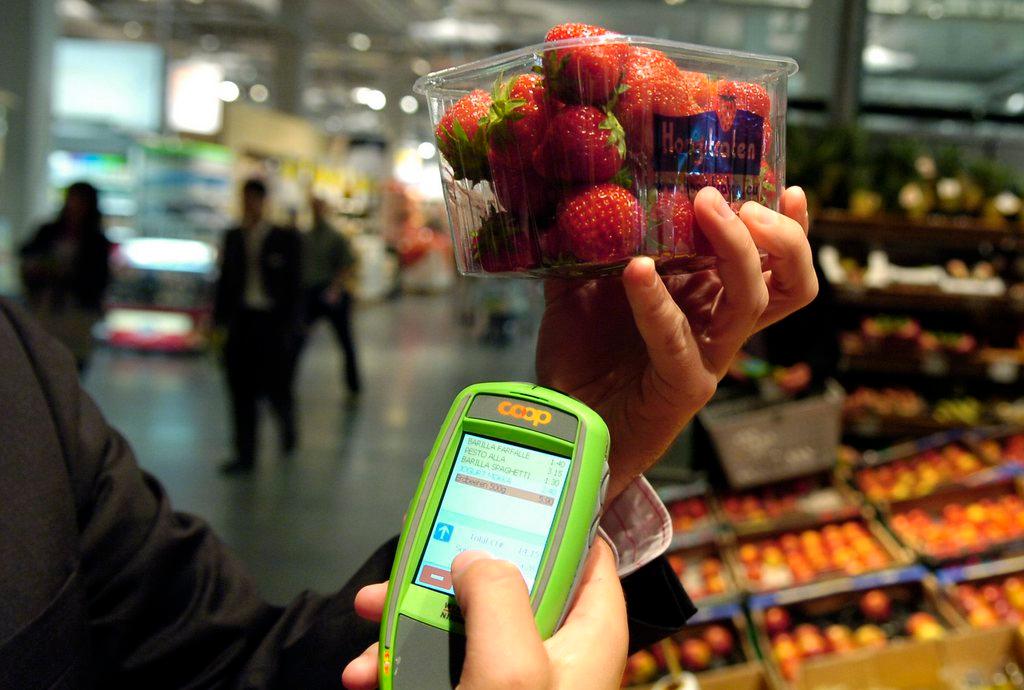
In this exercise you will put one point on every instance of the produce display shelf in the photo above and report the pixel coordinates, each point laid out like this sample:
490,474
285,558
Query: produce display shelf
890,426
961,232
934,365
900,298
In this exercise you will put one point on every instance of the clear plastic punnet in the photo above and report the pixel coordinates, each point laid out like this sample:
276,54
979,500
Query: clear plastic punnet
570,157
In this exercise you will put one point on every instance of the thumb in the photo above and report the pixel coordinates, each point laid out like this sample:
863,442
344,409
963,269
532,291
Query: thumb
503,647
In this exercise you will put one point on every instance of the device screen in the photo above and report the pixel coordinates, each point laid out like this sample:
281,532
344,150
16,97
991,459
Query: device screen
500,498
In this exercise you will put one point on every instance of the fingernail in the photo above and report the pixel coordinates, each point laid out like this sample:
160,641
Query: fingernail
723,208
652,271
465,559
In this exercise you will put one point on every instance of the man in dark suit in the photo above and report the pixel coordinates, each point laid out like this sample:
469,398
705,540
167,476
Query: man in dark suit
258,301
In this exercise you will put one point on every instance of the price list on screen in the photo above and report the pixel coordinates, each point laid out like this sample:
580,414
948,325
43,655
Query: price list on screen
500,498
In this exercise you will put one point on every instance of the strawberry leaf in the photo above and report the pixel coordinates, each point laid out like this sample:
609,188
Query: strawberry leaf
624,178
614,100
616,135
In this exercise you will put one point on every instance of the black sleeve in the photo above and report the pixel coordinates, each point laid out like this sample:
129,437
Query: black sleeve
169,606
656,604
221,289
39,242
295,276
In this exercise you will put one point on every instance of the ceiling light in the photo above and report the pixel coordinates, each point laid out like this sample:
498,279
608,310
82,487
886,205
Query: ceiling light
360,42
196,2
409,104
228,91
881,59
259,93
1015,103
426,150
674,2
132,29
371,98
76,9
451,30
420,66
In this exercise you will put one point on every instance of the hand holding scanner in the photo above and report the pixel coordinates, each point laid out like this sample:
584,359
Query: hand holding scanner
517,470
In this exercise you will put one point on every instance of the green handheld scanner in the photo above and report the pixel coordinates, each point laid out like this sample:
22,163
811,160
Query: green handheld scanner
519,471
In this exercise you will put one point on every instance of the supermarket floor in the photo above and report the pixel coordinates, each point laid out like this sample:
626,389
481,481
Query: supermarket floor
309,521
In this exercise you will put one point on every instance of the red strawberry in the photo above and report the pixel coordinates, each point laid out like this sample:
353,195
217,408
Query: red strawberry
637,106
724,105
672,216
748,96
517,119
460,137
581,144
700,88
520,190
602,222
501,245
678,233
584,74
769,190
515,126
646,63
554,248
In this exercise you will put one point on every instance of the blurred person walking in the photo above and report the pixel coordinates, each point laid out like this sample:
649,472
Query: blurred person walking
327,267
258,302
65,271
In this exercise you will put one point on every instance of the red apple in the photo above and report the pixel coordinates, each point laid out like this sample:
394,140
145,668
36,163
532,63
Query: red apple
720,640
924,626
870,636
695,654
790,668
640,668
784,647
840,638
810,641
776,620
876,606
677,562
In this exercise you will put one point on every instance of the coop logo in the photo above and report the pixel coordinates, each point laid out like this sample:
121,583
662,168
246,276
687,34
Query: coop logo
507,408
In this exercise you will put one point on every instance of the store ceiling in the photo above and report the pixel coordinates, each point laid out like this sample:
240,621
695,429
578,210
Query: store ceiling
950,53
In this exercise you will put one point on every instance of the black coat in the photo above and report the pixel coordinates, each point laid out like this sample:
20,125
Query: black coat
103,585
90,273
280,264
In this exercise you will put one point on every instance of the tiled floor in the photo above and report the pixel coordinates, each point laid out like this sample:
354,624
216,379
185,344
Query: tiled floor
308,522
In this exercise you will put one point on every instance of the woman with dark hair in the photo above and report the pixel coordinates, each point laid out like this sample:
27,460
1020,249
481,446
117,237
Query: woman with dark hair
65,272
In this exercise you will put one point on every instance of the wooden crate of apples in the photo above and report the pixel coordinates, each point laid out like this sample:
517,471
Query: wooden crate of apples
693,519
909,472
988,595
791,503
718,651
792,558
704,574
1000,447
967,524
835,621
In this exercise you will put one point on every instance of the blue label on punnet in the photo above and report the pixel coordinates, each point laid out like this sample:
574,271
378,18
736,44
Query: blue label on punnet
701,144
